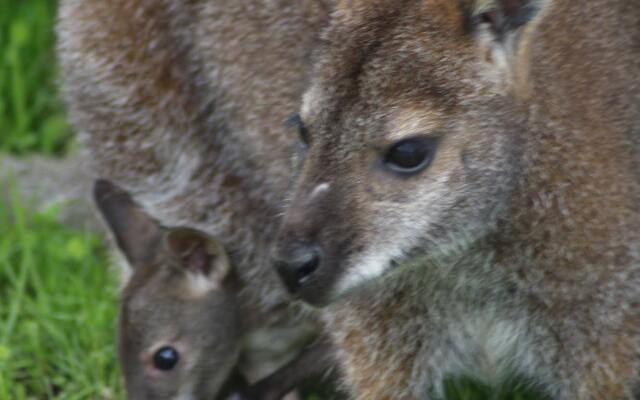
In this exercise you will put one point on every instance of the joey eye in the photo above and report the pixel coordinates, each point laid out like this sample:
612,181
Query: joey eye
296,122
411,156
166,358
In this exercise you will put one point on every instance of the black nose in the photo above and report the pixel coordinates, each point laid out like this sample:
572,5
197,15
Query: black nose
297,267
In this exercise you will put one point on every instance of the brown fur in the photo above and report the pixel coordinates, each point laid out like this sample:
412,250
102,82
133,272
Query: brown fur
517,249
183,104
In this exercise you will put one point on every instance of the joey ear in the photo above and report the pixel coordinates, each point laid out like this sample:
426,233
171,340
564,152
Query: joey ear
199,254
137,235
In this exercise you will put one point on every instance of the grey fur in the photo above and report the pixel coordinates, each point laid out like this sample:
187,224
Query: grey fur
183,105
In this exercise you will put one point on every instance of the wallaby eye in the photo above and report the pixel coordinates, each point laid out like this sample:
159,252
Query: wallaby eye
296,122
166,358
411,156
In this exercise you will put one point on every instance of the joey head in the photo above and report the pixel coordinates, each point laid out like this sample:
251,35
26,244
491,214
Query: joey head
178,330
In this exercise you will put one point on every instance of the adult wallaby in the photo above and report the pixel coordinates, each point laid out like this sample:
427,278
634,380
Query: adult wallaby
183,104
180,323
470,199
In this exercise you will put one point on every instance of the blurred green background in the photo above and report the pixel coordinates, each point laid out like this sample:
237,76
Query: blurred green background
31,114
57,295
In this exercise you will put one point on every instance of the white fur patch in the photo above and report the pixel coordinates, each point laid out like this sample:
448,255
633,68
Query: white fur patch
310,101
199,285
494,346
488,348
321,188
369,268
123,267
397,240
186,394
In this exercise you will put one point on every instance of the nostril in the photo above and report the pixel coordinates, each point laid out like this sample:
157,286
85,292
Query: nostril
298,267
306,268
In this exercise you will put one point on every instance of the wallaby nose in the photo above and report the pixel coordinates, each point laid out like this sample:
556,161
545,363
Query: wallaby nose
297,267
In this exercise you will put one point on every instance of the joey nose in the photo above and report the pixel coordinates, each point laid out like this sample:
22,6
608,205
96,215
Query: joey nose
298,266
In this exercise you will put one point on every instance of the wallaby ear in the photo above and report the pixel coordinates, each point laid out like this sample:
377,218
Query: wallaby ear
501,30
137,235
199,254
502,17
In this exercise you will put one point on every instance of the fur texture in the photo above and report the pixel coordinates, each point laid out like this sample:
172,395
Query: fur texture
183,105
517,251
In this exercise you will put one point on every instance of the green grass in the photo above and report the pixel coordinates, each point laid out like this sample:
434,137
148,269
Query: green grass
468,389
57,313
31,113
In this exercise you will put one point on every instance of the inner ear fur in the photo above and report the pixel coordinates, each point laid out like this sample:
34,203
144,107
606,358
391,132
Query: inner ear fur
198,253
500,17
503,30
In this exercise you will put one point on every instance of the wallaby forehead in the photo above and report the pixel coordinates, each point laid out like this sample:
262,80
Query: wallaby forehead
381,56
154,283
447,13
362,24
157,311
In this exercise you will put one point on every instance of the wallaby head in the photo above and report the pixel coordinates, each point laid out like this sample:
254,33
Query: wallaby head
178,329
478,155
410,141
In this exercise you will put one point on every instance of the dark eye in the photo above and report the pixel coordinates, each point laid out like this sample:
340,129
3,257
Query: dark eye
296,122
166,358
411,156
